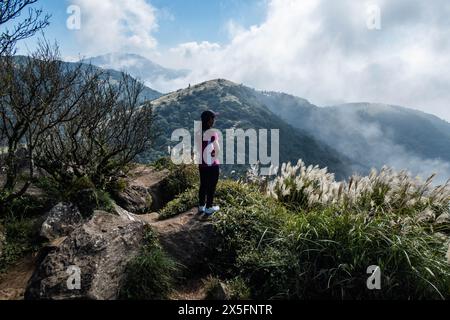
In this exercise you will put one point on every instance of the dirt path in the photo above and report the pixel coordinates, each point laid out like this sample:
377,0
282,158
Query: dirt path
13,283
191,290
144,176
179,235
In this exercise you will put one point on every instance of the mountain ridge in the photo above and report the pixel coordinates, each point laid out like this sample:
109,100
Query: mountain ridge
147,94
137,66
239,108
376,134
363,135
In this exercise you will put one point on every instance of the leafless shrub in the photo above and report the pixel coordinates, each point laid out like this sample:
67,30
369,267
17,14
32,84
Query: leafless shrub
110,127
11,10
39,93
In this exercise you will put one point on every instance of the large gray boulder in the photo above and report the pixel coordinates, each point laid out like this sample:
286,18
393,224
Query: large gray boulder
96,254
61,221
144,191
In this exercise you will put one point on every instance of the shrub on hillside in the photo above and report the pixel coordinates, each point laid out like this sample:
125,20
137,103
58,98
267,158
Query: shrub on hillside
108,127
21,238
80,191
181,178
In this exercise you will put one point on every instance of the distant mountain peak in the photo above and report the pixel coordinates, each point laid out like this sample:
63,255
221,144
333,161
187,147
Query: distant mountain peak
218,83
137,66
240,107
118,56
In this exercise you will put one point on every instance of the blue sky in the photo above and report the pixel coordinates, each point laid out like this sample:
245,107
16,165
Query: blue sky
195,20
328,52
179,21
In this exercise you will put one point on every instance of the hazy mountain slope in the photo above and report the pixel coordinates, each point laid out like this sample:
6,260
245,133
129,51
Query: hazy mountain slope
372,134
239,107
147,94
421,133
137,66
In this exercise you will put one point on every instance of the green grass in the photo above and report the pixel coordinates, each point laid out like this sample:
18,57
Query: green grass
279,252
333,254
239,289
21,226
182,203
26,206
180,179
81,192
22,238
151,275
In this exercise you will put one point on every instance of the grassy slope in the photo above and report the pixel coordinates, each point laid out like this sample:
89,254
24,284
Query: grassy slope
294,250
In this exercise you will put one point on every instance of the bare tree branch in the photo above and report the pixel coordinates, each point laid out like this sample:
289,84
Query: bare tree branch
40,93
112,127
11,10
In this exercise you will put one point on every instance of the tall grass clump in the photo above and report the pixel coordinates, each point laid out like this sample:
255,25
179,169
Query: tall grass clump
303,235
385,192
311,237
334,252
151,275
182,203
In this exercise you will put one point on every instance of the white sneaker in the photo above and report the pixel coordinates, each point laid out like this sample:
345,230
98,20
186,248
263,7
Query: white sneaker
201,210
211,211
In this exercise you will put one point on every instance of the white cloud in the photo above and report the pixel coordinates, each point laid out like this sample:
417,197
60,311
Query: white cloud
192,50
233,28
116,25
322,50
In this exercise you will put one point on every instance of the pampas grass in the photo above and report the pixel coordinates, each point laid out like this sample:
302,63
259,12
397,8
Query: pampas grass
383,192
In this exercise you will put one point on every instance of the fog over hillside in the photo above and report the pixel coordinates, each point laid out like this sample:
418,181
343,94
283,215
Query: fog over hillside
374,134
153,74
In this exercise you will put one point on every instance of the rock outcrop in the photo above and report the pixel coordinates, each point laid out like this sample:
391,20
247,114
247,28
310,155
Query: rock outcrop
87,260
90,263
61,221
144,191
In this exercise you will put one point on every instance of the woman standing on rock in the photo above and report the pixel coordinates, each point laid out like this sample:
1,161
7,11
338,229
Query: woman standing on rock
209,165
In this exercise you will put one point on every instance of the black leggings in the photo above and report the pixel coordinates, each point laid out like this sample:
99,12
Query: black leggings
209,177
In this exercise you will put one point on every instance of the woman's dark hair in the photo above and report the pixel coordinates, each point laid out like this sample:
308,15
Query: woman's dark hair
206,117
